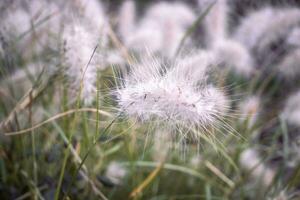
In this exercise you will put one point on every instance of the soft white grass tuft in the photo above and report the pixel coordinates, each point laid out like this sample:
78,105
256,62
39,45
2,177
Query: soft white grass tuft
172,96
251,161
291,111
159,30
127,18
233,55
115,172
215,22
79,45
273,24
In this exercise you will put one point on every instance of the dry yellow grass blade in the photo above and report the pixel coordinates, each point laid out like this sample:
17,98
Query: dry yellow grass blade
146,182
22,104
220,174
60,115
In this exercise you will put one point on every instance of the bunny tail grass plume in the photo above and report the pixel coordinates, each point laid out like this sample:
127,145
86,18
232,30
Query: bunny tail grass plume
274,25
159,30
127,18
251,162
177,96
215,22
79,61
291,111
289,65
233,55
115,172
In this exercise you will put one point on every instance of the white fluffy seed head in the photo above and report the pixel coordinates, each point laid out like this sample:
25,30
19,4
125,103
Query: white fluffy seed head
90,13
215,22
251,161
291,111
79,45
127,18
273,24
160,31
31,20
289,66
171,96
235,56
293,38
115,172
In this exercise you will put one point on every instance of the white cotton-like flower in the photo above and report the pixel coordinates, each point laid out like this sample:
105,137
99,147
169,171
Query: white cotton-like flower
234,56
92,14
127,18
196,65
251,161
17,21
196,161
20,81
289,66
215,22
29,22
79,45
176,96
249,31
249,109
291,111
274,23
160,30
293,38
92,11
115,172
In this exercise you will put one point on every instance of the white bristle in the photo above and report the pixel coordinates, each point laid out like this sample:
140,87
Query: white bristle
273,24
127,19
251,161
173,97
215,22
160,31
79,45
291,111
234,56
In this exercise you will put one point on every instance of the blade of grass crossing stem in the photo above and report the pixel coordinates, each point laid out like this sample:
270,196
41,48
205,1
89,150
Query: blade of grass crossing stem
146,182
193,27
208,192
176,168
72,129
87,154
33,148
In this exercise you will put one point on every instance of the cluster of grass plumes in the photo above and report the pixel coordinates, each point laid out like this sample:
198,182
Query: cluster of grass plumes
149,100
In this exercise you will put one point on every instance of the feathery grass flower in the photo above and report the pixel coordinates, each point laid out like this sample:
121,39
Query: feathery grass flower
252,162
291,111
79,62
159,30
178,95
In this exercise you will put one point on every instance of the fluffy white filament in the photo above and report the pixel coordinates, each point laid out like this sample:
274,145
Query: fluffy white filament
273,24
215,21
127,18
174,96
79,45
115,172
160,30
251,161
233,55
291,111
